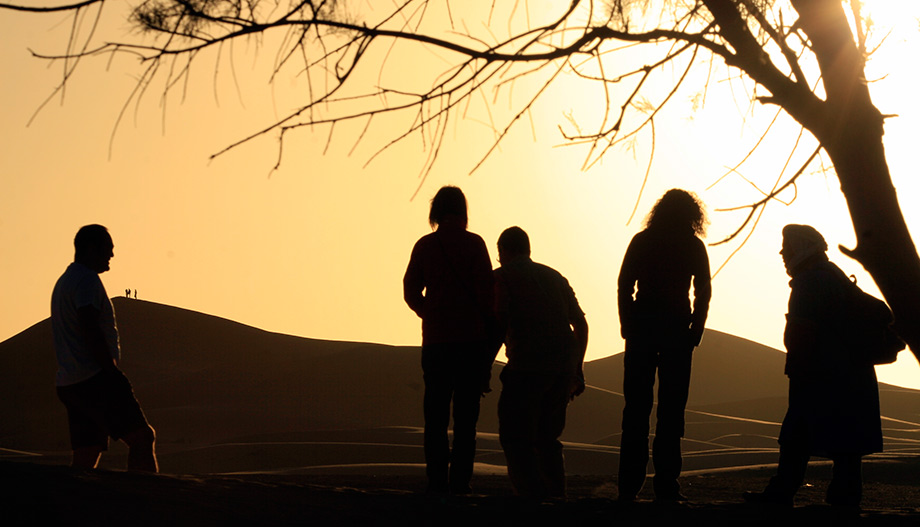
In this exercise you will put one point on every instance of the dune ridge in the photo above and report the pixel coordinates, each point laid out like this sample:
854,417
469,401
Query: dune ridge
230,398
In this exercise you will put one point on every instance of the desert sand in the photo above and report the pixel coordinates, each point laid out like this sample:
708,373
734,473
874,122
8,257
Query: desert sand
259,426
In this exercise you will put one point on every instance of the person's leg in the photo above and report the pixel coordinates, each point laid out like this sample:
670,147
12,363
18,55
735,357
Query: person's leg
845,488
125,420
638,384
88,435
551,423
794,453
795,439
516,430
466,397
141,449
790,472
436,410
673,388
793,461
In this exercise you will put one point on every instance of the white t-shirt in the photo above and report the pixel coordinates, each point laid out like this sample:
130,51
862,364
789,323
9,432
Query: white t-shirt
78,287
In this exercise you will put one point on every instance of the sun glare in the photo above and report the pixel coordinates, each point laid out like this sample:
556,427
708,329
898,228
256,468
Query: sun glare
893,42
885,13
888,24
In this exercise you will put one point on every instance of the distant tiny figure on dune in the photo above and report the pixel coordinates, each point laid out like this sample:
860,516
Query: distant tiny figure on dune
661,330
98,397
545,335
833,394
135,294
127,293
448,284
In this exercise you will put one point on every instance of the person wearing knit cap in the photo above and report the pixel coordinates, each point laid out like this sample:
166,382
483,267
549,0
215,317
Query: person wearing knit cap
801,243
833,402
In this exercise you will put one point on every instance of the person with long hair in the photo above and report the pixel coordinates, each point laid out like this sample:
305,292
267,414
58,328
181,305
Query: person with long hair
448,284
661,328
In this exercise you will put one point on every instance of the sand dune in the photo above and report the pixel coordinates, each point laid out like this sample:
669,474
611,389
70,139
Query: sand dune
229,398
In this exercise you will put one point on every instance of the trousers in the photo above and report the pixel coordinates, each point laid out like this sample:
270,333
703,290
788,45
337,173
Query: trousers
531,417
670,358
453,378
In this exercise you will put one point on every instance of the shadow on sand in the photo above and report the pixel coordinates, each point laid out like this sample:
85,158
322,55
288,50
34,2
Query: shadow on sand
41,492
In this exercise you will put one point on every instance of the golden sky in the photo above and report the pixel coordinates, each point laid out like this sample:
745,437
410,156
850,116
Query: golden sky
318,248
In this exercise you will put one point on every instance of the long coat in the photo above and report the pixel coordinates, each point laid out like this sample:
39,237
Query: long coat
833,401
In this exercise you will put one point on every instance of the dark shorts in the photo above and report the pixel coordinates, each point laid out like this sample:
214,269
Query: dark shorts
100,407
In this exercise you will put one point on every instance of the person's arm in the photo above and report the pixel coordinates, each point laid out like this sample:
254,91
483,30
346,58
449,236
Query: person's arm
496,328
702,294
499,315
814,304
487,290
413,283
580,329
626,288
579,325
89,320
801,341
800,335
484,279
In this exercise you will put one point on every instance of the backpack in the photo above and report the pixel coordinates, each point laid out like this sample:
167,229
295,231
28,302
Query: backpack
867,328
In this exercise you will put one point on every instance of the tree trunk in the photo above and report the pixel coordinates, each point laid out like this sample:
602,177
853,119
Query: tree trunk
851,134
883,244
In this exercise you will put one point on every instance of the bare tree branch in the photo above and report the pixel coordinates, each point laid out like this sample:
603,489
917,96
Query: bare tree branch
49,9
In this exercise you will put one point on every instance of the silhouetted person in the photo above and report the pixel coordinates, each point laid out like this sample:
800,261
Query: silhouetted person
448,283
545,334
833,402
661,331
127,293
99,399
135,294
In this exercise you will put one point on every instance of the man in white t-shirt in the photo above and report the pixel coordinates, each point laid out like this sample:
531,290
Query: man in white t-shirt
99,399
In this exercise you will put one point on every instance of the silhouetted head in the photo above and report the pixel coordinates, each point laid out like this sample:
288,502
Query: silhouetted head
93,247
512,243
678,210
448,204
800,244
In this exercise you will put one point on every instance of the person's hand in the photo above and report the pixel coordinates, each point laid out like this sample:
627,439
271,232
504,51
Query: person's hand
695,337
576,385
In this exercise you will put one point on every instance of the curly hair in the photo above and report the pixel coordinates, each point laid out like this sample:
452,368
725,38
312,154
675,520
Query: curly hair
678,209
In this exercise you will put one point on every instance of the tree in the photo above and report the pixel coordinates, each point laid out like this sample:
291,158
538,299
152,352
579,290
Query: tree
805,57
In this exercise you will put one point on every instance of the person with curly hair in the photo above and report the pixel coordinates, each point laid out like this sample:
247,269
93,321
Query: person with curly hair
661,328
